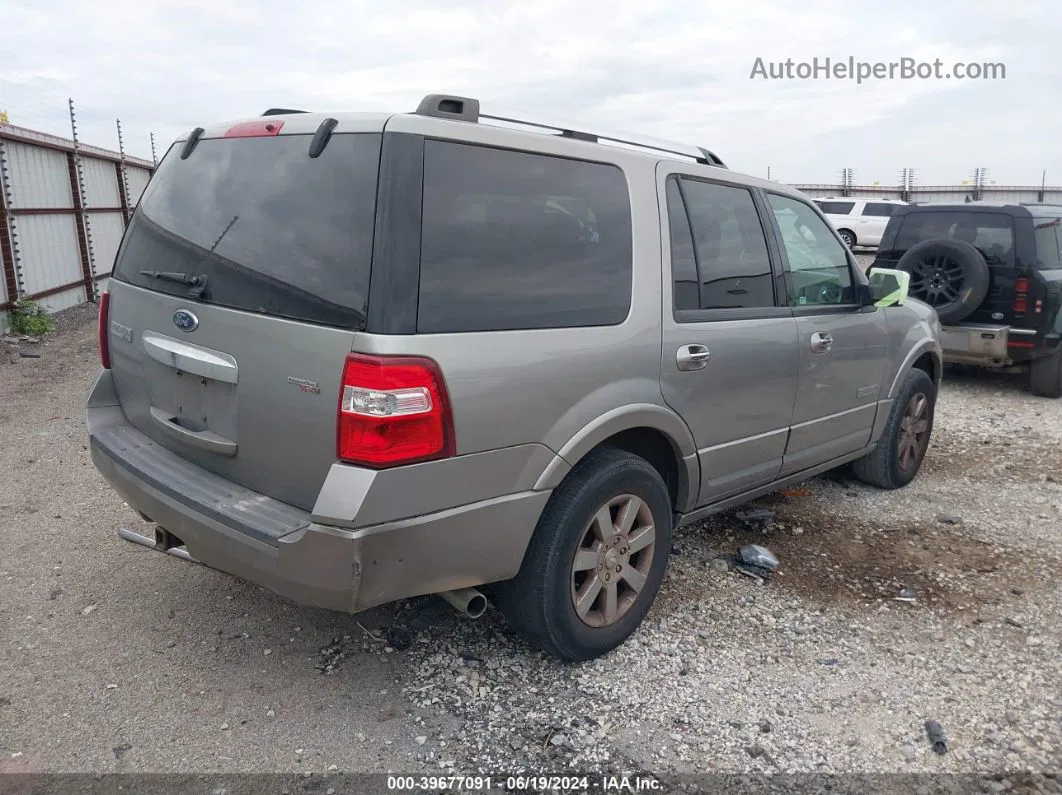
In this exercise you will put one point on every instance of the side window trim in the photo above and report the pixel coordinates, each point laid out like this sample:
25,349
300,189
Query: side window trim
776,251
787,275
779,285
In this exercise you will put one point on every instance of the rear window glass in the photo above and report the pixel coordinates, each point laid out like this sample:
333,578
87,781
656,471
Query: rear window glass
990,233
1048,233
879,209
835,208
513,240
273,230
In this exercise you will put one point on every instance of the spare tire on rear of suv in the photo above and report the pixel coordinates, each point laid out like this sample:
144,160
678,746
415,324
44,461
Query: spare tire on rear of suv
949,275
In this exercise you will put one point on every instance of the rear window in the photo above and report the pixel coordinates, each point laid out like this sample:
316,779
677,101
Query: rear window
513,240
990,233
273,230
835,208
879,209
1048,233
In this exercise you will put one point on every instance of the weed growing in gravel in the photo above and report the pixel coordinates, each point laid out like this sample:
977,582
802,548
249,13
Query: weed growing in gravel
31,319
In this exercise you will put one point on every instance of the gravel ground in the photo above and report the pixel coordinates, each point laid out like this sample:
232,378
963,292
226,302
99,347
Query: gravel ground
820,671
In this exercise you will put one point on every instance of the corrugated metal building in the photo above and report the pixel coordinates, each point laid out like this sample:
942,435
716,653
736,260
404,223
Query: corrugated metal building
60,230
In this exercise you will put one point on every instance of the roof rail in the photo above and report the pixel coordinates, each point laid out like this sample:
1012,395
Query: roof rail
445,106
281,111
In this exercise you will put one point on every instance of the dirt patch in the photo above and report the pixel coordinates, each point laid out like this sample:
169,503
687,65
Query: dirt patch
836,558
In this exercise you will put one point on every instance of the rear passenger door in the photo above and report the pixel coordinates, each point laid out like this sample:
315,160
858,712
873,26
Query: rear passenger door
843,351
729,365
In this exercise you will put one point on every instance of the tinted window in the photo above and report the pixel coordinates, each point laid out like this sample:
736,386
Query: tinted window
836,208
729,245
991,233
1048,242
683,263
818,261
273,230
516,241
879,209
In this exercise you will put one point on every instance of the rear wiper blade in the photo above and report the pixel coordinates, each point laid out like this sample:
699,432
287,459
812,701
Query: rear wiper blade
174,276
197,283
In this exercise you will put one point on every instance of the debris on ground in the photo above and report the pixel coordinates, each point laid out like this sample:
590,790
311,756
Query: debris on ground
948,518
935,732
756,519
907,595
399,638
797,492
756,562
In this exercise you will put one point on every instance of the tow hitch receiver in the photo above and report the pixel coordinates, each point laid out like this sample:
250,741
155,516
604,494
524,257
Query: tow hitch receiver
165,541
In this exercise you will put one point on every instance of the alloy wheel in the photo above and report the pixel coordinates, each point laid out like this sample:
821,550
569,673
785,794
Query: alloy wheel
611,564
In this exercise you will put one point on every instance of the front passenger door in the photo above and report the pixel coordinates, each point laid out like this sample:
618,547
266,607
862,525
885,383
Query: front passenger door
843,347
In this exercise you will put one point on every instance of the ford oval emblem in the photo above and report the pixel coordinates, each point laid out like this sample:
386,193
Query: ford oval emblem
185,320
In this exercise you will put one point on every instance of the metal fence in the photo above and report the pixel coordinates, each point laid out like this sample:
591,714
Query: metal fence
1012,194
63,210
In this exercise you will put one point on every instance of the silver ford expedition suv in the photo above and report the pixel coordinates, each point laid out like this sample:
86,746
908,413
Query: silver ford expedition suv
360,357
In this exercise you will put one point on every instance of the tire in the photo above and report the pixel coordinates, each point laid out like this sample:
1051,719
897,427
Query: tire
848,237
1045,375
539,603
884,467
949,275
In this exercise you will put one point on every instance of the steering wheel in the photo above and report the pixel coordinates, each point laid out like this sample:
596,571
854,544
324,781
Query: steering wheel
831,293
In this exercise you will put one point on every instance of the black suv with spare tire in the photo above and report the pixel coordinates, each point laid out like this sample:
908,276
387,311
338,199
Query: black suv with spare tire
993,272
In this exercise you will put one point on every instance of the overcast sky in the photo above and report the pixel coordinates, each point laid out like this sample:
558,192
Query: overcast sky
678,70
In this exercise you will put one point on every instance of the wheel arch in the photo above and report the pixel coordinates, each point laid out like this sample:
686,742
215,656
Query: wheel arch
651,432
923,357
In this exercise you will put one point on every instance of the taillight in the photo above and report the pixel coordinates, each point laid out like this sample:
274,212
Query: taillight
393,410
1021,296
103,323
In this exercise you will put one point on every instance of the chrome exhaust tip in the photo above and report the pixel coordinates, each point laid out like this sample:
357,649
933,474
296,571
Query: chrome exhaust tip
467,601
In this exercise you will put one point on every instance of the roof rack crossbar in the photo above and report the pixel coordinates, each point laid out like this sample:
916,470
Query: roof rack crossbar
467,109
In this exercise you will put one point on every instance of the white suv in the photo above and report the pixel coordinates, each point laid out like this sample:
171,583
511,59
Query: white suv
859,222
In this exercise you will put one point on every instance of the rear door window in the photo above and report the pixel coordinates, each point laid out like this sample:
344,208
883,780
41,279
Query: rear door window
879,209
1048,234
990,233
835,208
729,247
513,240
273,230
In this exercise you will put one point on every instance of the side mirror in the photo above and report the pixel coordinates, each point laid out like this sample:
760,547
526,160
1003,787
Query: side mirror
887,287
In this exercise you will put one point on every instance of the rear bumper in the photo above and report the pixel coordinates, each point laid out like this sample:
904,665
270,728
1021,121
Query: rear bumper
256,538
988,345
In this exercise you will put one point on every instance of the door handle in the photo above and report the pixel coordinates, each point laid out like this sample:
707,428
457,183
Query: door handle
821,343
692,357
